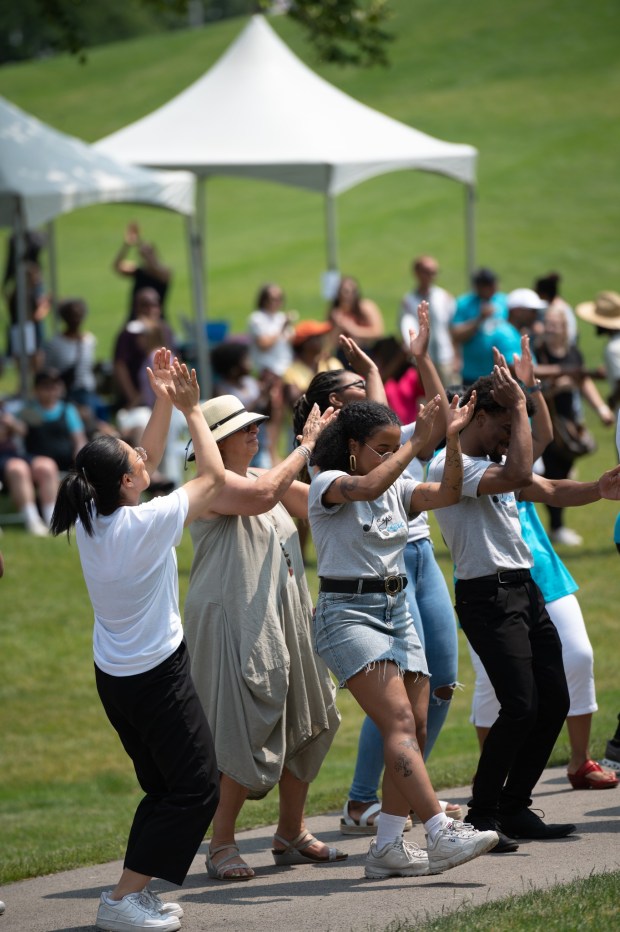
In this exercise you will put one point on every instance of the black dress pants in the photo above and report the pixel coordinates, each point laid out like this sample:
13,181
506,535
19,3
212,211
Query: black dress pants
163,728
509,628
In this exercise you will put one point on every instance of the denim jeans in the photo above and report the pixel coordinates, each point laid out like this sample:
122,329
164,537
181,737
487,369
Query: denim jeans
511,631
433,616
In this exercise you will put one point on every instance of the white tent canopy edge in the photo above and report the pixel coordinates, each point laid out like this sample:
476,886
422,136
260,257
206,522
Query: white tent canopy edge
45,173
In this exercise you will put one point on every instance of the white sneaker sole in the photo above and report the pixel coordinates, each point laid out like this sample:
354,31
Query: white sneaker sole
372,872
481,846
121,925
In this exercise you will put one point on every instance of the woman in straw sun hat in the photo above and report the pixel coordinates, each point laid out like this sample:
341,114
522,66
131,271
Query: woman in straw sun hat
604,313
270,701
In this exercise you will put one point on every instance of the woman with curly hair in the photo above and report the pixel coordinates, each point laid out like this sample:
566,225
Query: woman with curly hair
359,507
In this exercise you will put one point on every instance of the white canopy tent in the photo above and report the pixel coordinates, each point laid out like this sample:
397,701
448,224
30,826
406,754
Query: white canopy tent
259,112
44,173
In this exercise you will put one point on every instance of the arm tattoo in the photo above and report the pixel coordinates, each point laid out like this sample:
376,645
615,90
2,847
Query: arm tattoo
347,486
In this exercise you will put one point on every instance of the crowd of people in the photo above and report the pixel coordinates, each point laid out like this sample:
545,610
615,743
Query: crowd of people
331,428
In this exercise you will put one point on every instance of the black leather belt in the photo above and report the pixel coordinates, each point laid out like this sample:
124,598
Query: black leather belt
390,584
505,577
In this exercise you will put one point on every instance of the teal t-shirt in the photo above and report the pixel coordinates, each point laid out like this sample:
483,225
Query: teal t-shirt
548,571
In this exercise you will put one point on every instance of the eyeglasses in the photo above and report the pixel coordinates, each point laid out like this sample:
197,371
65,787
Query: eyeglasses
141,454
359,384
382,456
248,427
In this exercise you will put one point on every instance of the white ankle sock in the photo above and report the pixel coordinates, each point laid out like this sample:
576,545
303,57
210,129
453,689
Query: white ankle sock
31,513
435,825
48,511
389,828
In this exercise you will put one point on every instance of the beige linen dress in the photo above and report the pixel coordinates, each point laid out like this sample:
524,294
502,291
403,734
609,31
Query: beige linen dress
268,697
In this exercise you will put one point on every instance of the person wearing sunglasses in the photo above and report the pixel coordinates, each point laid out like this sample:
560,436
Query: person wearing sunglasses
268,698
142,665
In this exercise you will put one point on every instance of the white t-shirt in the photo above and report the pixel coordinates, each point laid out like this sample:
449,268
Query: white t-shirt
441,311
483,532
130,570
419,528
612,360
359,539
279,356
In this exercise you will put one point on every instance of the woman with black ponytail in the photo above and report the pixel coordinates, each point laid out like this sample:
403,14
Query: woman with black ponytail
141,662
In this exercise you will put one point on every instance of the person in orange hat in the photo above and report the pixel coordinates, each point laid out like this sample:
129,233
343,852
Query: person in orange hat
604,313
312,354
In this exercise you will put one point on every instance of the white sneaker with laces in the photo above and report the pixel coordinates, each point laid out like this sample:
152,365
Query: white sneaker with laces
399,858
456,843
170,909
134,911
566,536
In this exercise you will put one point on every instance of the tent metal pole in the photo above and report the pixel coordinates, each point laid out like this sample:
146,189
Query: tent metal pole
21,289
331,232
470,231
53,270
202,355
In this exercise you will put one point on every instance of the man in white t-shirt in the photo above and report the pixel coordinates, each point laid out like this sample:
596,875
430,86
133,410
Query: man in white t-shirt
441,310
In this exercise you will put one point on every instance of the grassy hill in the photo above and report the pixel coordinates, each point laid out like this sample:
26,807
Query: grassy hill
533,85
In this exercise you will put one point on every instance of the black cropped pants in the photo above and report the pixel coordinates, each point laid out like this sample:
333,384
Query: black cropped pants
163,728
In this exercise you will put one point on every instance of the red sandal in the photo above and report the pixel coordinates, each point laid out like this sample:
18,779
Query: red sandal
583,778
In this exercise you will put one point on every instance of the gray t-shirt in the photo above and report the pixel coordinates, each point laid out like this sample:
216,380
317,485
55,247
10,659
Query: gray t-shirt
419,528
345,550
483,533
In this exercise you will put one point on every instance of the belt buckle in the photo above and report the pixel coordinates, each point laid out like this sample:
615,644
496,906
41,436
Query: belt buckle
393,584
501,581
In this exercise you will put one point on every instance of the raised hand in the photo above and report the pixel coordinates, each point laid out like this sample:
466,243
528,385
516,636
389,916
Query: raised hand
356,357
524,364
458,418
185,393
424,422
418,344
506,392
160,375
315,424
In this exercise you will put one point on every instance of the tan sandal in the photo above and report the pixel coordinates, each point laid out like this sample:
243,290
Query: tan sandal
222,870
295,852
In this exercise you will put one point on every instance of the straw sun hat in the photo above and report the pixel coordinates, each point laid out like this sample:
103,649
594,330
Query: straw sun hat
604,311
225,415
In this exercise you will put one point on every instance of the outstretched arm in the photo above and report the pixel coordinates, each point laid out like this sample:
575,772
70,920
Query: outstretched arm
361,363
567,493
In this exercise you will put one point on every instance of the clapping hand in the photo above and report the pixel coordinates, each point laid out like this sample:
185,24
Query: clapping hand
459,417
424,422
315,424
524,364
609,484
506,392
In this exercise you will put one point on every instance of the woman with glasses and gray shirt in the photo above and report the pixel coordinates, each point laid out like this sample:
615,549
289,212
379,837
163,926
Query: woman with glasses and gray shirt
142,665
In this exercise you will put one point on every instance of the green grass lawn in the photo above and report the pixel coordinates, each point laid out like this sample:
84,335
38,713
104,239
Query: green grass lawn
534,85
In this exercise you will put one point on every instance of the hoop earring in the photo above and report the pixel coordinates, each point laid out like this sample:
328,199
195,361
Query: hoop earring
352,462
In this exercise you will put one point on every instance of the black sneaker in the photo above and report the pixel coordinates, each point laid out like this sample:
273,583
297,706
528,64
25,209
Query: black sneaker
526,824
488,824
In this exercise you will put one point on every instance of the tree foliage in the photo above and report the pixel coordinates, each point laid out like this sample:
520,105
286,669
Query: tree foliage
341,31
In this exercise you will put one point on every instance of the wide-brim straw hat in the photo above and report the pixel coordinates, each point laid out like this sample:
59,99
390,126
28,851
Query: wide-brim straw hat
225,415
604,311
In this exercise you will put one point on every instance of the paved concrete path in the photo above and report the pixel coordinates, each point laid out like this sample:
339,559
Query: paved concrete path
336,897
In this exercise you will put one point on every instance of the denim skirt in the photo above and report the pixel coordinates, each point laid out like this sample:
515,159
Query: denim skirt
354,632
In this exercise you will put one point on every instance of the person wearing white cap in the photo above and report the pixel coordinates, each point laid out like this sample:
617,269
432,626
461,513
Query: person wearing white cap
269,699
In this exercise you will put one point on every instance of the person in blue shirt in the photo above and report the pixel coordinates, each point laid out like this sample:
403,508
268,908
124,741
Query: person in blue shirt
475,322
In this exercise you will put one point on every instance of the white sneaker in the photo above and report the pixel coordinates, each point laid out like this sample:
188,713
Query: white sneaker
170,909
134,911
456,843
566,536
399,858
455,812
